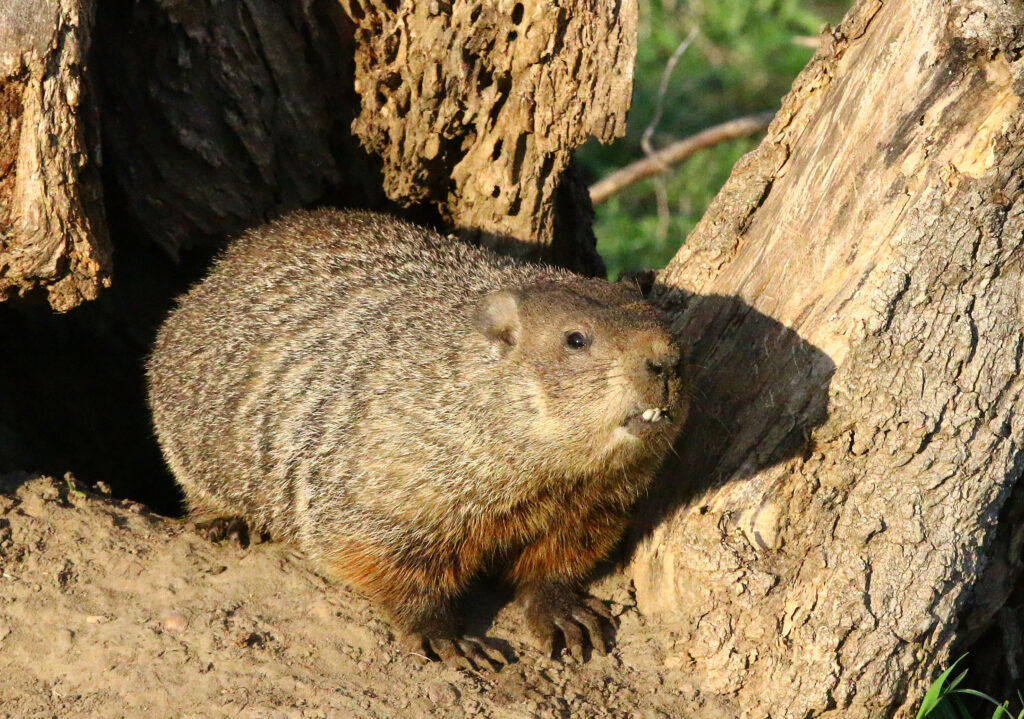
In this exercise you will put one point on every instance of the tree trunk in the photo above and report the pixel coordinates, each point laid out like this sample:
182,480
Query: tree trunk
53,232
845,500
221,115
218,116
477,107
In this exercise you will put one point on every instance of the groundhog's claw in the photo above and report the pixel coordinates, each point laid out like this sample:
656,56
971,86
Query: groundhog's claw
588,618
591,619
467,652
221,528
570,618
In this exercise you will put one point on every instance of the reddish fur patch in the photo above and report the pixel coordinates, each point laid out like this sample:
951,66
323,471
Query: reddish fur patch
572,549
551,536
394,581
504,535
548,537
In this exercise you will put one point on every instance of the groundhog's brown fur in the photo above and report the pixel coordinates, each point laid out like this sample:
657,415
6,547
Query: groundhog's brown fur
412,411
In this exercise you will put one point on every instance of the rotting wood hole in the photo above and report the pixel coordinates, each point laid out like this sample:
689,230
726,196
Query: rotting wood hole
517,13
496,152
469,57
512,36
547,165
518,157
356,10
484,79
504,85
561,27
391,45
496,192
473,16
391,82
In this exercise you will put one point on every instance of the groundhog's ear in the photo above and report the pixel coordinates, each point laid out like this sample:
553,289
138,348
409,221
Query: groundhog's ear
497,318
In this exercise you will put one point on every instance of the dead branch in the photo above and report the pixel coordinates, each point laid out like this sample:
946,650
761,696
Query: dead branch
664,159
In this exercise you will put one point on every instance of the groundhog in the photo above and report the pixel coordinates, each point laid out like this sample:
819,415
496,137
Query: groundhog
413,411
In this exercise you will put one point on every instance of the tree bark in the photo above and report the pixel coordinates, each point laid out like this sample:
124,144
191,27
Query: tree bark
220,115
477,107
843,500
53,231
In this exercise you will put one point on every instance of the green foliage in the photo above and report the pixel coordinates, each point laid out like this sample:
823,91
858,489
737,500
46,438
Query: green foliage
943,699
742,61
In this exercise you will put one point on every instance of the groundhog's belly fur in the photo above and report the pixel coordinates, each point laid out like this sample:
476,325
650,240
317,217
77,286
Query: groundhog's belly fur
412,411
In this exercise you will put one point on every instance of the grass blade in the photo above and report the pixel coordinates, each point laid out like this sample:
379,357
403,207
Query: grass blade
935,692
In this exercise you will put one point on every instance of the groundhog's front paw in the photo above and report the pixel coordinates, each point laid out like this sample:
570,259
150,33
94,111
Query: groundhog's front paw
235,529
550,613
465,652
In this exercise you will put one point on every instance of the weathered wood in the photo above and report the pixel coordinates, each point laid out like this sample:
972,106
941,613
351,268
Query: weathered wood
476,107
220,115
53,232
857,338
216,116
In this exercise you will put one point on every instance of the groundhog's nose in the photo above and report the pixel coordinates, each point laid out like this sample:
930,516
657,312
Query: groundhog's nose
662,363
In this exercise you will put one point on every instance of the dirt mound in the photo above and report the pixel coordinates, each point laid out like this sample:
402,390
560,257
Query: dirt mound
107,609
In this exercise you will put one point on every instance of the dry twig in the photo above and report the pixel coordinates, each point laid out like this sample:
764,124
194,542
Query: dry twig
663,159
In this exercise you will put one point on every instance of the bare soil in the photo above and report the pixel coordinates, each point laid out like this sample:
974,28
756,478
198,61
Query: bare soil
109,610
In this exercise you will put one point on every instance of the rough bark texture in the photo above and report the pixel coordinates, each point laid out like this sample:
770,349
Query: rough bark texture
476,107
220,115
217,116
854,301
53,233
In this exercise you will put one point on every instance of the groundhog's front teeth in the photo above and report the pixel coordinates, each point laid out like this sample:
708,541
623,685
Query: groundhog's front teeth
654,414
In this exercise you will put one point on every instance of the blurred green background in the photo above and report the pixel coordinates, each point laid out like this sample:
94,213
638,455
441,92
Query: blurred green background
742,60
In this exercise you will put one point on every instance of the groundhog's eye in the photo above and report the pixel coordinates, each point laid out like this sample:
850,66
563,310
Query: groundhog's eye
576,340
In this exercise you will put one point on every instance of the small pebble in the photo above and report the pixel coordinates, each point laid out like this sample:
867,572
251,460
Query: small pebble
443,693
255,639
174,623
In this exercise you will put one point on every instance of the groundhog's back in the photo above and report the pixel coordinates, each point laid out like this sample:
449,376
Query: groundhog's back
267,365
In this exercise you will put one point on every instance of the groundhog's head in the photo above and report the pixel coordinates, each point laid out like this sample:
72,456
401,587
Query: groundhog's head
601,375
